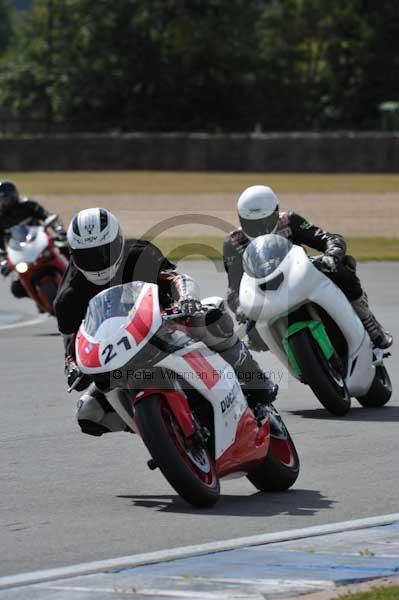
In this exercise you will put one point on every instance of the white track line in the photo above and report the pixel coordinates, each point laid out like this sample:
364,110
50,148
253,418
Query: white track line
188,551
34,321
188,594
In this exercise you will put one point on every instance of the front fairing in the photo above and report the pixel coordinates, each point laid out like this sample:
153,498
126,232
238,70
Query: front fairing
28,248
296,278
119,323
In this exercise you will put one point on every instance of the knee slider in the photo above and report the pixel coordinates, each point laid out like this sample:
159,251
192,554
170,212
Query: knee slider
89,409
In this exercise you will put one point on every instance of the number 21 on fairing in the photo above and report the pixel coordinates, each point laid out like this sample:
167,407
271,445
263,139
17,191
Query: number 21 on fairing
109,352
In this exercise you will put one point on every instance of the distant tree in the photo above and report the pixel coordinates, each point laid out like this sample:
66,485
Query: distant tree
142,63
22,4
5,25
188,64
315,55
380,81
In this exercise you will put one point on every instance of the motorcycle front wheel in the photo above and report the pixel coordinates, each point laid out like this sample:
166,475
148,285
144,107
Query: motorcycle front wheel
325,381
280,469
188,466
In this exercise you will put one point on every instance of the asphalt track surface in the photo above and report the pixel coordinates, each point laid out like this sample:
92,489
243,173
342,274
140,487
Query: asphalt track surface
67,498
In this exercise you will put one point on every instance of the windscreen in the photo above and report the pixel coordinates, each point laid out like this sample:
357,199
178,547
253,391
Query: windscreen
264,254
21,234
117,301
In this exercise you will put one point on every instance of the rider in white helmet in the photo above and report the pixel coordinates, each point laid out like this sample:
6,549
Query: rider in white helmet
258,212
100,258
96,244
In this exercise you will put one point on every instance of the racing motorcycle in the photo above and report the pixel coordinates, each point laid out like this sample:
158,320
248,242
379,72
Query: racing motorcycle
34,255
309,324
182,398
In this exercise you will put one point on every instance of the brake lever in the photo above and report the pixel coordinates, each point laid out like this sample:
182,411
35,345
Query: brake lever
173,316
181,315
75,383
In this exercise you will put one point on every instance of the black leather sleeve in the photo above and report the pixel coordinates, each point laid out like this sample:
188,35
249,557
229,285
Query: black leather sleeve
35,210
308,234
144,262
70,310
232,261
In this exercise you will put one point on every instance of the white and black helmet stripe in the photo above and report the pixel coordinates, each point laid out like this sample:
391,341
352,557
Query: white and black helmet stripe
96,241
103,219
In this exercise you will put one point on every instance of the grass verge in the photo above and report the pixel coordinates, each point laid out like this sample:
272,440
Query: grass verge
383,593
362,248
185,182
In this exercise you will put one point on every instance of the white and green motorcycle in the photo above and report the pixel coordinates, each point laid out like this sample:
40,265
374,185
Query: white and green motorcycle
310,325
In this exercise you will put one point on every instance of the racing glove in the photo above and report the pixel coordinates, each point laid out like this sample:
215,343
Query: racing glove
189,306
73,373
327,264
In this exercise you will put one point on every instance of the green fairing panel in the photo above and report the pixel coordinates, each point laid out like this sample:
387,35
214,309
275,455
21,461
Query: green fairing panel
318,332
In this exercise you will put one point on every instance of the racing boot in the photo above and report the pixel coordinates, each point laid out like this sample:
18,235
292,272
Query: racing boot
380,337
258,389
95,415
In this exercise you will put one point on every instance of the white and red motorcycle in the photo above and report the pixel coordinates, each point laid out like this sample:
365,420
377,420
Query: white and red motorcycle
35,256
182,398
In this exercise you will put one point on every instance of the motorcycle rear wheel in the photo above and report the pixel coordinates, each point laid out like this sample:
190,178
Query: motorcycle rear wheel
327,384
280,469
190,469
380,390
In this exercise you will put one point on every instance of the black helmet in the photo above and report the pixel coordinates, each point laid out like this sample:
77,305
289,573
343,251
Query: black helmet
9,194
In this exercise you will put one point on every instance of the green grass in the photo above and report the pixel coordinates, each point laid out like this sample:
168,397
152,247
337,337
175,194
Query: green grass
182,182
382,593
363,248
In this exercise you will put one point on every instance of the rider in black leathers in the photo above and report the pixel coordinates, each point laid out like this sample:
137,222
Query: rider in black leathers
15,210
335,263
139,260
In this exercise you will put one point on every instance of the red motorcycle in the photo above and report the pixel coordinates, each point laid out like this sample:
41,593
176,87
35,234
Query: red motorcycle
182,398
33,254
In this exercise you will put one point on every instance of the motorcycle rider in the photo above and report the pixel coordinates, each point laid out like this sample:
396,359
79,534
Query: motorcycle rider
15,210
258,212
100,258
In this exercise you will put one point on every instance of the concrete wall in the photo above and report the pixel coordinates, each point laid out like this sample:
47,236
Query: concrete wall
308,152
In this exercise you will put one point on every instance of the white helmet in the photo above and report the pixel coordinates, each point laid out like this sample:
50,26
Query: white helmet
96,242
258,211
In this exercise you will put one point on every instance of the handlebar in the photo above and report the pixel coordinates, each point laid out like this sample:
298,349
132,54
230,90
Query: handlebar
173,316
180,315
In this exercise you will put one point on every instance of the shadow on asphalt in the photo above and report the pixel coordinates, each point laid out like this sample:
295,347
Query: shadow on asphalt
357,413
51,334
295,502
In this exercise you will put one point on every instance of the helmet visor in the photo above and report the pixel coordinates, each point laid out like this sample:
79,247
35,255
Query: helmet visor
98,258
256,227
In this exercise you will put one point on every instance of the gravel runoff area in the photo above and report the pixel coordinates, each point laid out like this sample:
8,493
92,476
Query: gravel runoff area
351,214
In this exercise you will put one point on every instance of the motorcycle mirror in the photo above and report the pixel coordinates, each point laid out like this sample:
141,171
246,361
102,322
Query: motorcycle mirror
49,221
